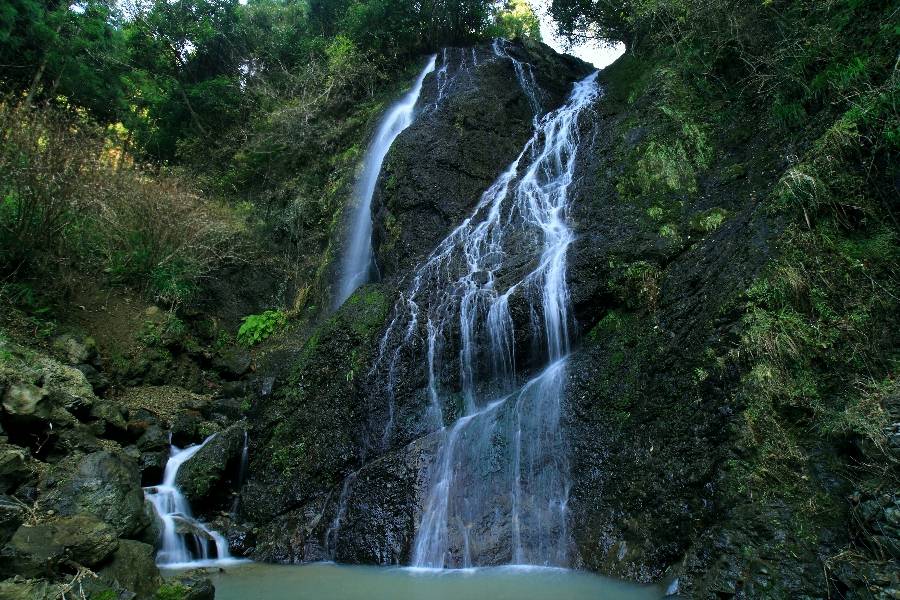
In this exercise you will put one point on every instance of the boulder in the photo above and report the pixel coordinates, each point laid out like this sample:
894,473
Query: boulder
97,380
140,420
36,549
110,416
204,478
153,532
195,586
153,439
133,568
185,428
103,484
66,386
28,405
152,466
232,362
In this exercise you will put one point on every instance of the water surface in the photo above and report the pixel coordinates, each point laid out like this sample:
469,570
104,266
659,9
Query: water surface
328,581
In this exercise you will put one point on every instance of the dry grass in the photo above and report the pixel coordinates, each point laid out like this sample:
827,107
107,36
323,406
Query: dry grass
64,203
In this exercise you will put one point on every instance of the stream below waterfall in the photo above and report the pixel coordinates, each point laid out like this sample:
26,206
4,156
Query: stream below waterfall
329,581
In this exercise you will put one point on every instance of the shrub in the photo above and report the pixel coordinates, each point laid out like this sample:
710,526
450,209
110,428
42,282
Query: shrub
45,180
64,203
256,328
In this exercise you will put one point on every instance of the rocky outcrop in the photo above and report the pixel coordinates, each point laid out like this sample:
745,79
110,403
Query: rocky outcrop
325,480
307,435
71,495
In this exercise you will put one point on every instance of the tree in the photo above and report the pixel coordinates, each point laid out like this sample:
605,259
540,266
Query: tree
516,20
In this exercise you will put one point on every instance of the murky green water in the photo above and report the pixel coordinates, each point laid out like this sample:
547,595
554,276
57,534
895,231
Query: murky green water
325,581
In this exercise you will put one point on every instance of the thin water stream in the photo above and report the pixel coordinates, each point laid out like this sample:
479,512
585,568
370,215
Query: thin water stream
357,261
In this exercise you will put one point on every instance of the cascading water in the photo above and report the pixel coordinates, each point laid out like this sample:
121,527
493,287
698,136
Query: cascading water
357,260
185,542
499,481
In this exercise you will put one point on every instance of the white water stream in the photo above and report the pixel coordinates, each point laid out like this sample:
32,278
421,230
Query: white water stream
499,482
357,261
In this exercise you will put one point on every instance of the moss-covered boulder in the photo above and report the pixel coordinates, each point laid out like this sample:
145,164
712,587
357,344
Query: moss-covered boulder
15,467
206,478
191,585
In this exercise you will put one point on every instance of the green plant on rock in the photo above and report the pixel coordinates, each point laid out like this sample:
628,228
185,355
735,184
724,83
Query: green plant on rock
256,328
710,220
171,591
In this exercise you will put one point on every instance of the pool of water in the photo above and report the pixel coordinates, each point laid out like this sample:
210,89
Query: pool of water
327,581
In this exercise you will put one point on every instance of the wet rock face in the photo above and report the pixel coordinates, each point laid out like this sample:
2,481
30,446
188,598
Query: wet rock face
474,120
381,507
307,434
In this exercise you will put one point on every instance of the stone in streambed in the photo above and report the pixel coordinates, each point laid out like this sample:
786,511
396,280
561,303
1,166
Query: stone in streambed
191,585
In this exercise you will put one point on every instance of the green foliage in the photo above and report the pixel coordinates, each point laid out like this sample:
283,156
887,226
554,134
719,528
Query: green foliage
516,20
166,331
709,220
256,328
367,308
104,595
663,167
171,591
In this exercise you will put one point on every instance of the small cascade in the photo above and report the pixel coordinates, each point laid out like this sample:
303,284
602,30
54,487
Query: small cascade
499,481
242,473
334,530
185,541
525,75
357,260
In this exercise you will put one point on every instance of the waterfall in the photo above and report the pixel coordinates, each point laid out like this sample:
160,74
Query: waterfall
499,481
185,541
357,260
